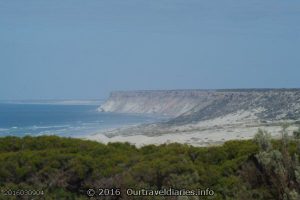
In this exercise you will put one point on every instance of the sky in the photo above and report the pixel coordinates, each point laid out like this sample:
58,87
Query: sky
79,49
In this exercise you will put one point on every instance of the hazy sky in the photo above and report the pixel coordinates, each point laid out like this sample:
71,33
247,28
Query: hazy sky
87,48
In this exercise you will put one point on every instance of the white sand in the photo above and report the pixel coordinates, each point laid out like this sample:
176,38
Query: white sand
236,126
201,138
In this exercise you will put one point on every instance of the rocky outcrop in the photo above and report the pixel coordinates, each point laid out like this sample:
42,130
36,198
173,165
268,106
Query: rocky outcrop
187,106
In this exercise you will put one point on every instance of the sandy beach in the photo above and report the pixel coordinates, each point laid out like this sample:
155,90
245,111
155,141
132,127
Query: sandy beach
236,126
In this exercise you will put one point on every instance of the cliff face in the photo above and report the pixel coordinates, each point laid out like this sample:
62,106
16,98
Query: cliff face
265,105
172,103
186,106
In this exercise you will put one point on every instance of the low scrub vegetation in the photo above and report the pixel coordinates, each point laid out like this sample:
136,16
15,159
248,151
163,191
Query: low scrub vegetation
65,168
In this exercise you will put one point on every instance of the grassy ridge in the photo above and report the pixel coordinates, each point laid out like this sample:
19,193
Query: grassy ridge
65,168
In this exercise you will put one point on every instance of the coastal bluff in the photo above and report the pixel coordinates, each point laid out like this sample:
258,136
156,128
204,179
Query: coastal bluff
162,102
186,106
203,117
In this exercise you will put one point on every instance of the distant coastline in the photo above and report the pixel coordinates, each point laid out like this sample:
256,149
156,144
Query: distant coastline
57,102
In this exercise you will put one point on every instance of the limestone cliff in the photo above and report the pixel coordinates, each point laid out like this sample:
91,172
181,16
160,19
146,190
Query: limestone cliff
171,102
186,106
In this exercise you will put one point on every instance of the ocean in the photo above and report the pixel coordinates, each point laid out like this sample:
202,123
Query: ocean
63,120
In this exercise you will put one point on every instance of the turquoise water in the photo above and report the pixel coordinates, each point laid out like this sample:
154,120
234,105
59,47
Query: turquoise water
63,120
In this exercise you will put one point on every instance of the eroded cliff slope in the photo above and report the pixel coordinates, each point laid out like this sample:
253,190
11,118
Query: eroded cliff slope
169,102
204,117
186,106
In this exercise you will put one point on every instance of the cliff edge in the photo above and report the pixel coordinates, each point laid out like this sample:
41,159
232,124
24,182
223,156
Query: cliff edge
186,106
162,102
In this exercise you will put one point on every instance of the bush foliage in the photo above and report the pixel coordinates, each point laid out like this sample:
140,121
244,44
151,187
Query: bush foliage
65,168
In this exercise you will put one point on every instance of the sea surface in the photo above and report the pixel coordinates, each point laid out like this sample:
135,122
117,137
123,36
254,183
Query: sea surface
63,120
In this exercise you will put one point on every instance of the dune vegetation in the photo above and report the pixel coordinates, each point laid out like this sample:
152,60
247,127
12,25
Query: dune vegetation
65,168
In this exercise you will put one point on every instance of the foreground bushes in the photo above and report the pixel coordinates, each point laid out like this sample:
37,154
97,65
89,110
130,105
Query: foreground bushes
65,168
